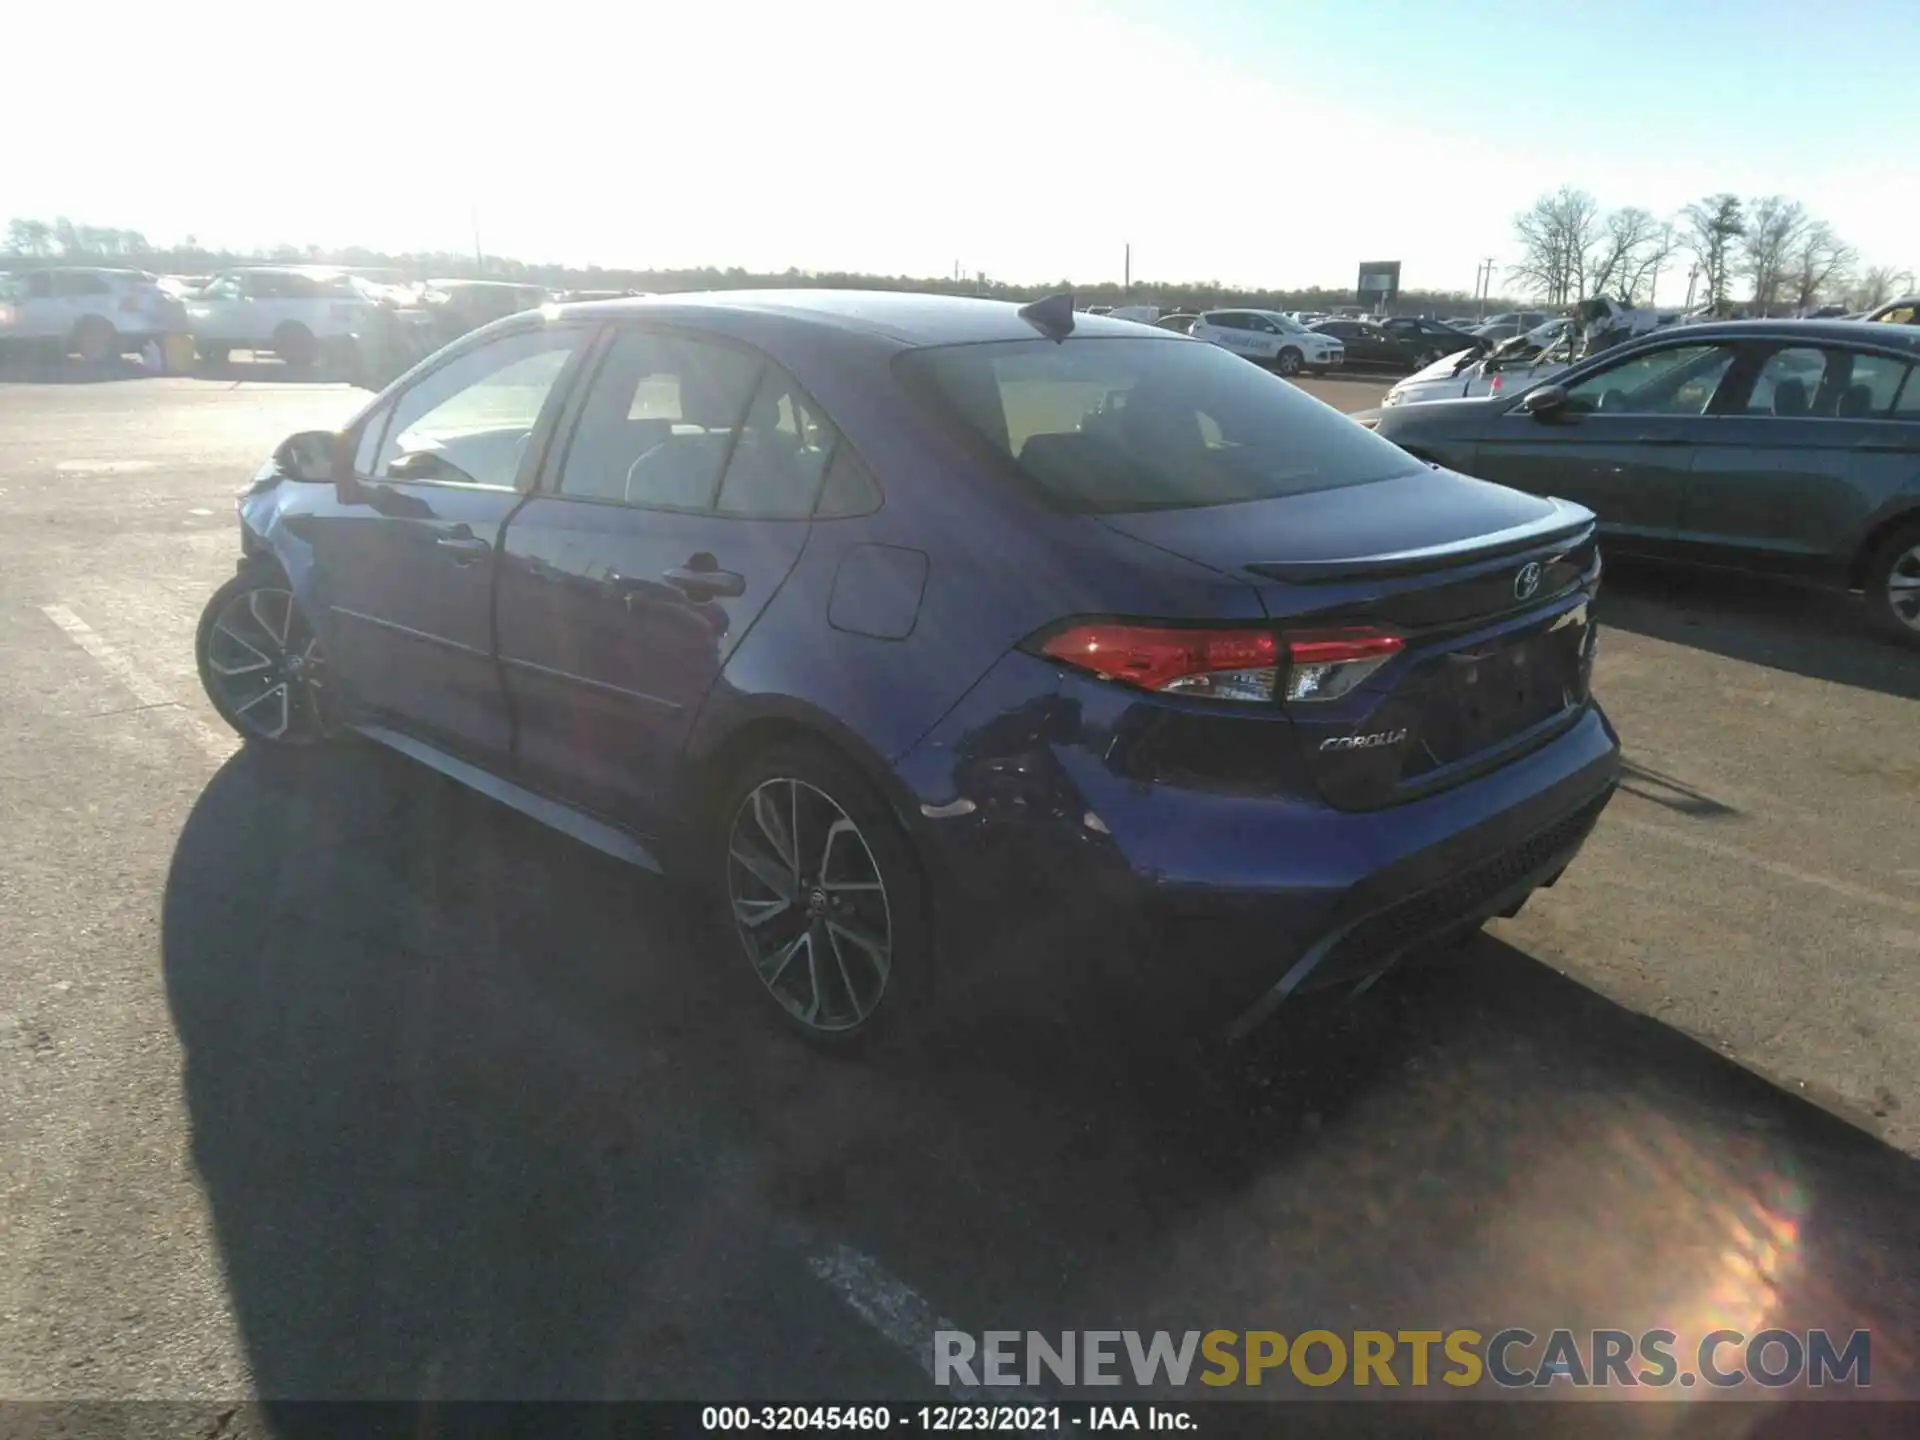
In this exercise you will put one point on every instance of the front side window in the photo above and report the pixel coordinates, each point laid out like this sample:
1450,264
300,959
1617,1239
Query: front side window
1111,425
227,287
1677,380
660,422
469,421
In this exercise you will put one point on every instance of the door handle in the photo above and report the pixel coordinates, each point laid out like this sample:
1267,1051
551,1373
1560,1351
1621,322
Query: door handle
705,582
465,549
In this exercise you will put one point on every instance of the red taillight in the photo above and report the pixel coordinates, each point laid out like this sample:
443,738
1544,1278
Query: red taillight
1226,664
1326,664
1212,664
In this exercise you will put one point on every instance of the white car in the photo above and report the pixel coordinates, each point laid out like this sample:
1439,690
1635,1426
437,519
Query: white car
97,313
1539,353
1270,338
298,312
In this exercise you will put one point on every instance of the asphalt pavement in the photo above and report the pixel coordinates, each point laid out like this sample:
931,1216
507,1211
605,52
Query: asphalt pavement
335,1080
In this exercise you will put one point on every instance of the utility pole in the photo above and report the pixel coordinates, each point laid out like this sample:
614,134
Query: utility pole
1483,283
1126,272
1693,277
479,260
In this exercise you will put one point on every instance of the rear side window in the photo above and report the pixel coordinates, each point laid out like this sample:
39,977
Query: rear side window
1823,384
80,282
1111,425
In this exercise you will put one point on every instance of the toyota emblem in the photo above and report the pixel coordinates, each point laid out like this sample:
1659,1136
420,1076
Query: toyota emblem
1526,584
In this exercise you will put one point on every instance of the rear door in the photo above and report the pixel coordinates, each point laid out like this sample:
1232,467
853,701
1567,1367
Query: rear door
405,563
1228,329
670,517
1787,474
38,314
1621,445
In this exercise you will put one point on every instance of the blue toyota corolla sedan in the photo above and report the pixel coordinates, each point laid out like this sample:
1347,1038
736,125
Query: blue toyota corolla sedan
886,617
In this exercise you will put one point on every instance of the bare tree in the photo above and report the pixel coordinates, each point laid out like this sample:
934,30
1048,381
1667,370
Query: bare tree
1876,286
1713,225
1643,280
1618,259
1773,231
1557,235
1818,265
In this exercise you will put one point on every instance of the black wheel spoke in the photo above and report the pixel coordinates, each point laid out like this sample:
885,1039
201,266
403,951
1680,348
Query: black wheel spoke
265,667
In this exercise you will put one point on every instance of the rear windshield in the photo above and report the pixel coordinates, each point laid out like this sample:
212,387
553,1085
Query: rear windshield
1111,425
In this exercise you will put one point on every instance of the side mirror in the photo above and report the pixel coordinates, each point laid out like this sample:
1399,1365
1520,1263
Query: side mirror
1546,401
312,456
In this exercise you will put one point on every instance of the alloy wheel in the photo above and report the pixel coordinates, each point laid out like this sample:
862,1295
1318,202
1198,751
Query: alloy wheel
1903,588
810,905
267,665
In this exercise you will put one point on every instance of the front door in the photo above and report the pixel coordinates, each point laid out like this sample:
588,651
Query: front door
1621,445
404,564
668,522
218,312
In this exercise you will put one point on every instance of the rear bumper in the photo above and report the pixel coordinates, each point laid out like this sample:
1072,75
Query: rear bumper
1213,907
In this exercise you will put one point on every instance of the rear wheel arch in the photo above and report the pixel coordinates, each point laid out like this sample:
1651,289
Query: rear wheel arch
704,778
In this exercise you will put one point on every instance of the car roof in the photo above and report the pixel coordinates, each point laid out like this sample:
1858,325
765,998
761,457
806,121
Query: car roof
312,271
1844,332
908,318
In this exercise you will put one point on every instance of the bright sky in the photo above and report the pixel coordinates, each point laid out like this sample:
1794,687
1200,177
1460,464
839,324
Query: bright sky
1246,141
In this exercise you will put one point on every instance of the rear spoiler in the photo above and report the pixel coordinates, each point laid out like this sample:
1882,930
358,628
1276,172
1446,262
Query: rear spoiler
1567,522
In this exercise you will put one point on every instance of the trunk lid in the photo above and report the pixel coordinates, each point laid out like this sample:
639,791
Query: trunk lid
1487,587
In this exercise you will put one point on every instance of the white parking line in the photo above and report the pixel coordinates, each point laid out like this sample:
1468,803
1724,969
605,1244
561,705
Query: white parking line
899,1314
147,691
1743,856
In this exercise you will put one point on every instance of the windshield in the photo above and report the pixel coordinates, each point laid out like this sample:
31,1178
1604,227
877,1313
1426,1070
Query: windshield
1108,425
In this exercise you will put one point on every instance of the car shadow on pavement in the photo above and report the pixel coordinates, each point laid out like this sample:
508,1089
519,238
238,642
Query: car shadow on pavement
1815,633
478,1115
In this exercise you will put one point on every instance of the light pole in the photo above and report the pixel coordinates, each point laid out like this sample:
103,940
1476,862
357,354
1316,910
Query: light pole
1483,284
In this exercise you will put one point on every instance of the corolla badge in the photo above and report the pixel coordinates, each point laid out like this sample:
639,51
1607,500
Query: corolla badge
1365,742
1526,582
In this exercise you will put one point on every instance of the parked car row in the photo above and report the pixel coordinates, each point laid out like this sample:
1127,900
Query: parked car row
368,323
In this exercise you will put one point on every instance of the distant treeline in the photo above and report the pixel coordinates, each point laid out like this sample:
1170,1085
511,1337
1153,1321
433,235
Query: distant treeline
33,244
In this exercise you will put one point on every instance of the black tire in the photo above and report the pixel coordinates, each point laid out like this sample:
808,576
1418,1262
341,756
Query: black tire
1895,607
792,786
1289,361
96,340
211,354
296,346
252,621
